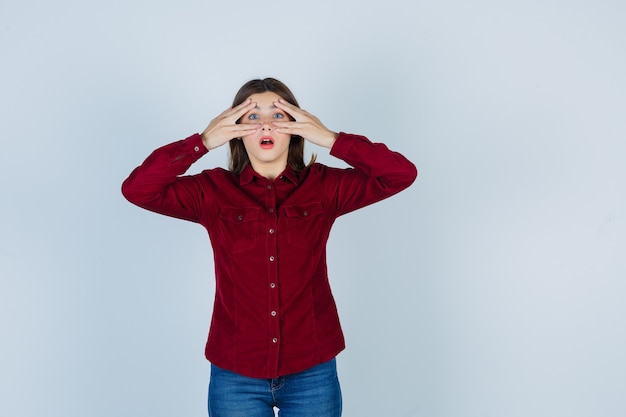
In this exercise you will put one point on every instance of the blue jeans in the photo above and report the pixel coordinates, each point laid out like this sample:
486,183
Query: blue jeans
311,393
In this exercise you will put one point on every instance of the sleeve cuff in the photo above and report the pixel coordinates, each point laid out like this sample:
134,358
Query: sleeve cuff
345,145
195,144
341,145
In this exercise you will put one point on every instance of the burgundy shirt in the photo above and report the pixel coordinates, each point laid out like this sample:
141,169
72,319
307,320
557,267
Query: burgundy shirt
274,313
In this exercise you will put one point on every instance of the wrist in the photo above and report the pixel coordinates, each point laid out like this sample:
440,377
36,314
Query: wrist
332,137
205,142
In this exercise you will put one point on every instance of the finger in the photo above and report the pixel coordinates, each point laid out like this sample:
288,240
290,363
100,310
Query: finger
237,133
243,108
289,108
285,105
290,128
288,125
231,110
247,132
245,126
239,110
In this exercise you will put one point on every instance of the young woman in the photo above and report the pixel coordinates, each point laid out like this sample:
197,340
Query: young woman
275,331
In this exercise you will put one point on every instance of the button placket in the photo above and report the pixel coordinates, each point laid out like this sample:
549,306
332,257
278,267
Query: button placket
271,251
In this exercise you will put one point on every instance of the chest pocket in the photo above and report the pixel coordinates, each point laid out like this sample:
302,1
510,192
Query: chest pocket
238,227
304,224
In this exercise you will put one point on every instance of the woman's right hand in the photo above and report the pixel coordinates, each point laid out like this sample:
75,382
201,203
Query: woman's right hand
224,127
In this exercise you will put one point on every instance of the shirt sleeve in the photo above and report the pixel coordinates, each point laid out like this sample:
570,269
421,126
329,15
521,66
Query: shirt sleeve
377,172
157,185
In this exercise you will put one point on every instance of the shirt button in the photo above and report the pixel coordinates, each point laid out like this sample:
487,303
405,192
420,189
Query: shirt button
274,340
196,149
306,213
270,210
273,314
272,259
269,187
240,217
272,285
271,231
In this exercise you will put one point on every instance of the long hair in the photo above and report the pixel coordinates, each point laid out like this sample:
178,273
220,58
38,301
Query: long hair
238,155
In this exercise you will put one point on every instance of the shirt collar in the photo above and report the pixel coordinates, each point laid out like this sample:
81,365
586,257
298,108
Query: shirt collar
248,175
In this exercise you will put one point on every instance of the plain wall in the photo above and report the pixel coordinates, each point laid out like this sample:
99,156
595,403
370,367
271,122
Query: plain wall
494,286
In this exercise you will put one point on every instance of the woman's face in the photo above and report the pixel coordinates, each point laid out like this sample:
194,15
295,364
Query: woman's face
266,148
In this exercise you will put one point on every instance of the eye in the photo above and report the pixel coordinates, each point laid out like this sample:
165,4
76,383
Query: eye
253,116
279,116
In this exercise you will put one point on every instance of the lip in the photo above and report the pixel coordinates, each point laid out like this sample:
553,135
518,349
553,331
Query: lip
266,145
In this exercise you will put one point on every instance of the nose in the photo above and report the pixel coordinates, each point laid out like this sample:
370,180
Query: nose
266,124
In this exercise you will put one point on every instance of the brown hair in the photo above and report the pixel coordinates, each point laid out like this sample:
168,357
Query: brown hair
238,155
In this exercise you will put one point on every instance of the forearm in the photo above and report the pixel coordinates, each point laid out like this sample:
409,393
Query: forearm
374,159
378,172
155,184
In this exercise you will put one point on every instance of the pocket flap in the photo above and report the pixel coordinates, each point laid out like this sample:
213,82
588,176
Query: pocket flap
240,214
304,210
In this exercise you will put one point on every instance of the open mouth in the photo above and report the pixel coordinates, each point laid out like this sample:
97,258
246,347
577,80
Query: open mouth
267,143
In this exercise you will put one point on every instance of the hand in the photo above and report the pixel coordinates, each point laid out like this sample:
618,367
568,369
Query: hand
224,127
305,125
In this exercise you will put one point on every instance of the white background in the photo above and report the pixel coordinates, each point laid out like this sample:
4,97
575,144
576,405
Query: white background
493,287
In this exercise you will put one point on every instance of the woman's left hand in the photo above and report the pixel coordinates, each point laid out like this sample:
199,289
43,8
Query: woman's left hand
305,125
